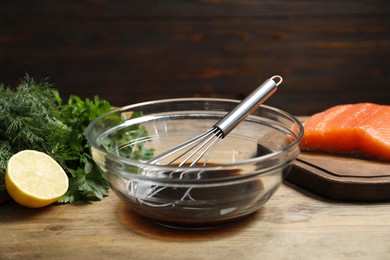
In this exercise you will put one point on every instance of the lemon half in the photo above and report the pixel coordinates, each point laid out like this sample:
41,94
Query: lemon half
34,179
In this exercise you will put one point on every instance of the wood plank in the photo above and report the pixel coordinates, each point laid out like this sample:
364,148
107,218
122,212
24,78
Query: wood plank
328,53
291,225
187,8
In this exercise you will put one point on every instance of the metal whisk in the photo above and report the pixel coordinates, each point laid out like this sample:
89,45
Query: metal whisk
192,151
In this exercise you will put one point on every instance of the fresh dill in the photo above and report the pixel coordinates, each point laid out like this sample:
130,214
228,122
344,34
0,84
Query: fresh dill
32,116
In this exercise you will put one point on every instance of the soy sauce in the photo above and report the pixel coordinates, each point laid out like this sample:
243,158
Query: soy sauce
199,207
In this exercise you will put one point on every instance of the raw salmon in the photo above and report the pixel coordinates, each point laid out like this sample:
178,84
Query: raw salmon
362,129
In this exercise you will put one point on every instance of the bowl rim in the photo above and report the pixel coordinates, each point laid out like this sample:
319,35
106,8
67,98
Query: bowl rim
93,144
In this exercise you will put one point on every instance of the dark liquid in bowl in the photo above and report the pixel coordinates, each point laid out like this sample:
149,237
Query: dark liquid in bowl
199,206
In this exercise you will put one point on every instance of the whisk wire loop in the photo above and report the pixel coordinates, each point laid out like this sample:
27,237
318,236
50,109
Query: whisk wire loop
188,144
223,127
203,145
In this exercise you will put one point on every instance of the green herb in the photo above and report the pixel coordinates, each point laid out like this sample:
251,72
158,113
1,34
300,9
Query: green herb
122,137
86,180
33,117
27,122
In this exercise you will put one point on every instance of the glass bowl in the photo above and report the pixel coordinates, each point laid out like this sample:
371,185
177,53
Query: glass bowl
245,169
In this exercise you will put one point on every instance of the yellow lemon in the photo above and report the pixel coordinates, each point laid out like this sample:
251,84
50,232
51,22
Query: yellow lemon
34,179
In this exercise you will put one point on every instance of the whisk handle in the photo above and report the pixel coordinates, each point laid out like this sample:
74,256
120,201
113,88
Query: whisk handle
248,105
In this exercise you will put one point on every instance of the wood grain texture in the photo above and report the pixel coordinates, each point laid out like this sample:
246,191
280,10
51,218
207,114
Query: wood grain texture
343,178
328,52
292,225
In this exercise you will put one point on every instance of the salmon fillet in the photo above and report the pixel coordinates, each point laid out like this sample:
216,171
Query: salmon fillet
362,129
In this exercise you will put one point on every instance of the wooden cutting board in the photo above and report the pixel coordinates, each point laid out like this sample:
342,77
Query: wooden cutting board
342,177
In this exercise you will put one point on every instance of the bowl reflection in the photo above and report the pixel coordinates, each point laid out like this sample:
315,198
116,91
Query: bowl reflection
244,170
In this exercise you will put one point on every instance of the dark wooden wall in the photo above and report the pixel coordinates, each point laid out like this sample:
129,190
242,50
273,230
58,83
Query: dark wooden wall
329,52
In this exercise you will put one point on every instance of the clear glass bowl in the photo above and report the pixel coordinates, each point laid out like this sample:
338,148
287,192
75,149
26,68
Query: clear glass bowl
246,167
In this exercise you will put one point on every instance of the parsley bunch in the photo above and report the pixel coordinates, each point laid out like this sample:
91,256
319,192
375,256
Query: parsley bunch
86,180
32,116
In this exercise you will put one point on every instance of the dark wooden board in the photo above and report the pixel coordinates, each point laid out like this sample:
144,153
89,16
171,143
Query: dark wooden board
342,177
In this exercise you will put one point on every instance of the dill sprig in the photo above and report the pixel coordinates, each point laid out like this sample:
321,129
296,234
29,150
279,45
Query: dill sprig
27,118
33,117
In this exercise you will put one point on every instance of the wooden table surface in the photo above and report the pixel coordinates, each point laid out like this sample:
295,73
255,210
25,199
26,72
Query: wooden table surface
292,225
